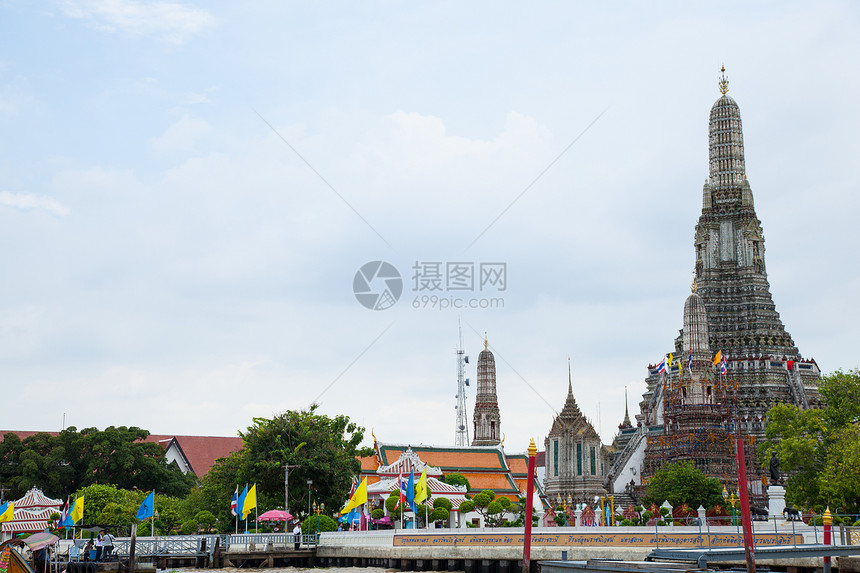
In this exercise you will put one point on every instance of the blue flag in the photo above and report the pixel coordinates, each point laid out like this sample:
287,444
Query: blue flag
410,490
67,520
242,496
147,508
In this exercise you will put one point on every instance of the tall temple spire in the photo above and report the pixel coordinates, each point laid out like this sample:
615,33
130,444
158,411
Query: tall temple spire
730,276
486,419
726,140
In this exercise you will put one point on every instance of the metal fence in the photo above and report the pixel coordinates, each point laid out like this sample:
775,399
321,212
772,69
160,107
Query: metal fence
261,541
174,545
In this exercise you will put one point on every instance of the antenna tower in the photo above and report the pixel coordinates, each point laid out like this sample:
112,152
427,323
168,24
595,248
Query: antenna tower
461,434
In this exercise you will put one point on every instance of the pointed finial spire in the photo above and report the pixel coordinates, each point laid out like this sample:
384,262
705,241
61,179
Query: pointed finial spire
486,344
724,81
569,377
694,286
626,413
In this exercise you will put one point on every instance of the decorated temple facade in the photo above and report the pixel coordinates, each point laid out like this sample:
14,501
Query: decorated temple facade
32,514
575,456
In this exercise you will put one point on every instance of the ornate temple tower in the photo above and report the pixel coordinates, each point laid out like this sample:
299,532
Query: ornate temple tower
700,407
575,457
730,270
487,421
690,407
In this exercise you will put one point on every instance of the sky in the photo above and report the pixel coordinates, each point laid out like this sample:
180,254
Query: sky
189,191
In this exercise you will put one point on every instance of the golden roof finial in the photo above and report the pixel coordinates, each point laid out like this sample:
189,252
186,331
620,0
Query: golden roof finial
724,81
486,344
695,286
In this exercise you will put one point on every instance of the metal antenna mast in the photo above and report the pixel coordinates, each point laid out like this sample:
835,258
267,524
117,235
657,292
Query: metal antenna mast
461,435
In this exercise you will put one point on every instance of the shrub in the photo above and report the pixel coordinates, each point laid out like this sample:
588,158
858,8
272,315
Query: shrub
312,522
442,502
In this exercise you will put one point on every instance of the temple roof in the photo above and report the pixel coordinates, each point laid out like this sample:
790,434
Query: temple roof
486,467
35,499
571,420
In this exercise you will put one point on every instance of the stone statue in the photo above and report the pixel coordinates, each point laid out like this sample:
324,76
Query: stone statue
774,469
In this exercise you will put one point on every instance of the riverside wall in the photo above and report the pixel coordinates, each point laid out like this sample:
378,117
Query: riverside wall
506,544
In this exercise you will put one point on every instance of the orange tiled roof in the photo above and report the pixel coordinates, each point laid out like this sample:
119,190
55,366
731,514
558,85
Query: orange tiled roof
368,463
519,465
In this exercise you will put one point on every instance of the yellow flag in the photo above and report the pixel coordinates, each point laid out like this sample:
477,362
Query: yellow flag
7,510
78,510
670,360
421,492
680,368
358,497
718,357
250,501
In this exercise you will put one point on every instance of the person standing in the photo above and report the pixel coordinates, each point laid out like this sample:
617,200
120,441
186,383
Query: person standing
41,560
297,533
100,545
108,545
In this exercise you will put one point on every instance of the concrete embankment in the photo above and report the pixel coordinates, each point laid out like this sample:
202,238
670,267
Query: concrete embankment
500,550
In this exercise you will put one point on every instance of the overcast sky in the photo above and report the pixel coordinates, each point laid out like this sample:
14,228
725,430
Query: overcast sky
188,190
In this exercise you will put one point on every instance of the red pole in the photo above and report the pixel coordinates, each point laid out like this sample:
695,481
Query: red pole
530,489
828,520
749,542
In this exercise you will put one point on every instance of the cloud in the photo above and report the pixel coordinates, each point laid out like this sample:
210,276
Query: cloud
30,201
170,21
181,136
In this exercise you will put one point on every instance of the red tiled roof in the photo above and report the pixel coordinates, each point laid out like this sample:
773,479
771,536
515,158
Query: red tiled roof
200,451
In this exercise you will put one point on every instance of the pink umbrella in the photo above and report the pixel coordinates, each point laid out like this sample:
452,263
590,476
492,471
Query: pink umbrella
275,515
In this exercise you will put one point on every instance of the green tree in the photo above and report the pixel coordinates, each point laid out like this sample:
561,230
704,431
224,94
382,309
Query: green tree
681,483
457,479
74,459
324,449
205,520
819,449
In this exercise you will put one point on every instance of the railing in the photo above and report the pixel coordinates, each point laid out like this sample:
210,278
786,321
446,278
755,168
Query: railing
174,545
628,450
261,541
